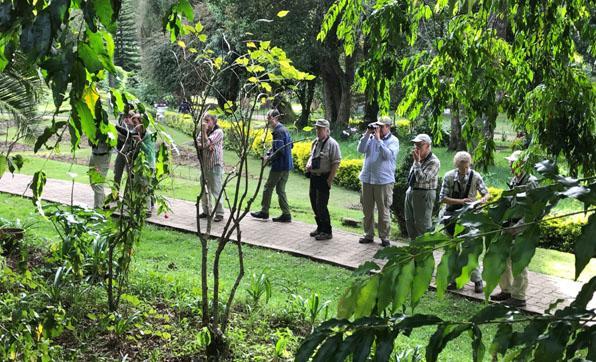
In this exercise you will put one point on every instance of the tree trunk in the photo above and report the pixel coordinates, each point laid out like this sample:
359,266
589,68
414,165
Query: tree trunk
306,96
456,141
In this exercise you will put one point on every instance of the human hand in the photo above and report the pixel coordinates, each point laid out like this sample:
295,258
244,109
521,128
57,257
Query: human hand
416,154
378,133
467,200
329,182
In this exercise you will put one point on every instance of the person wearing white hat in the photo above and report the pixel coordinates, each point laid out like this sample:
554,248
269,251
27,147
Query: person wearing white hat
422,190
380,149
322,165
513,288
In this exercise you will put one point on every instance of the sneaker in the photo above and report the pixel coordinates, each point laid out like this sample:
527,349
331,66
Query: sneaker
515,303
500,297
203,215
323,236
385,243
478,287
365,241
314,233
260,215
282,218
218,218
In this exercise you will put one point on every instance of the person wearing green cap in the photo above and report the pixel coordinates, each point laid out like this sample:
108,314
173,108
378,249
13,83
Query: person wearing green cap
322,165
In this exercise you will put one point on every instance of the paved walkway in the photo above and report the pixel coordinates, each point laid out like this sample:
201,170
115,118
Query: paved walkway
342,250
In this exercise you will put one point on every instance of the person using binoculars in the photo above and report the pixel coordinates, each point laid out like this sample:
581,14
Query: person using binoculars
380,149
321,167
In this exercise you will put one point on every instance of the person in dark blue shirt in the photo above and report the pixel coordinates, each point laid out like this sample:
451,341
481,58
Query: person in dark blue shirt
280,158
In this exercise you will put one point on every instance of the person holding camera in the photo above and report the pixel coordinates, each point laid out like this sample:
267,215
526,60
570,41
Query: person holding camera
322,165
459,188
210,143
280,157
422,181
380,148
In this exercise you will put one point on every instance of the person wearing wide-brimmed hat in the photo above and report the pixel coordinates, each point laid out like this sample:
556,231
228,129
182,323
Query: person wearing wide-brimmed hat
513,288
380,149
422,182
322,165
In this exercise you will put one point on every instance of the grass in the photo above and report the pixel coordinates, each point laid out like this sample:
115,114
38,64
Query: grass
166,269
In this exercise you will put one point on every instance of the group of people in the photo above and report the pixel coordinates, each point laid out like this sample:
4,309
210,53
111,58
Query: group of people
133,139
380,149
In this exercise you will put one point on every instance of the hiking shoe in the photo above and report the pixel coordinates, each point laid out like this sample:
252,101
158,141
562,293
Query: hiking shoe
282,218
218,218
500,297
515,303
314,233
478,287
203,215
365,241
323,236
385,243
260,215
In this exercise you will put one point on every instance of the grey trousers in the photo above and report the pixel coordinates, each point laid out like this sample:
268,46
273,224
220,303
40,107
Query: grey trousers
277,180
101,164
515,285
382,197
213,180
419,209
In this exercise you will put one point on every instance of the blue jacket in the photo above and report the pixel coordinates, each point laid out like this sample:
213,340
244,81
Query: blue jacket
282,160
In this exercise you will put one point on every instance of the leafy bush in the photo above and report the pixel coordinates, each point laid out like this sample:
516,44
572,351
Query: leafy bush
300,154
259,285
560,234
261,141
347,174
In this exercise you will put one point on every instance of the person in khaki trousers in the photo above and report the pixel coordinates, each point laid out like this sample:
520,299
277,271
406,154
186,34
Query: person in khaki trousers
380,149
513,288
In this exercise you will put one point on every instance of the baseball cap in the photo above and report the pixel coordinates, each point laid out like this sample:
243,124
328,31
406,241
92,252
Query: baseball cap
384,121
322,123
516,155
423,137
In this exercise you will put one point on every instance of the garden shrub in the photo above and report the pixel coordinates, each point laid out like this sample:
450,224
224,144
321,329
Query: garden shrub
261,141
300,154
560,234
347,174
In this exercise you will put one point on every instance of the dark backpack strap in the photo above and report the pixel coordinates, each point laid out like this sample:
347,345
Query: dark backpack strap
469,184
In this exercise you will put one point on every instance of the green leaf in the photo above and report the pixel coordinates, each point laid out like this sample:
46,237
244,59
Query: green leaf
282,13
491,313
86,119
186,9
37,185
585,295
15,163
585,247
367,295
3,164
384,343
89,58
478,348
416,321
103,10
443,334
500,342
403,285
327,350
467,259
36,37
442,277
425,264
47,133
366,268
552,347
524,247
495,261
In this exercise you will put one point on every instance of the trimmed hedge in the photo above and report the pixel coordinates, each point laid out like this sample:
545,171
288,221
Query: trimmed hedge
560,234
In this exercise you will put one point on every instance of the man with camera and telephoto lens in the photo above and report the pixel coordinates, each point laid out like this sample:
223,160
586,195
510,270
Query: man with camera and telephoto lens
459,188
280,157
321,167
422,190
380,149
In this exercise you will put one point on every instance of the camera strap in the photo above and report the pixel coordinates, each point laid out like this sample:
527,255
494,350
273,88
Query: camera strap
315,144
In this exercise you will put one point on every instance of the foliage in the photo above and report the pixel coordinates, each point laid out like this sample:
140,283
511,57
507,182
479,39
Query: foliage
370,310
348,174
300,155
560,234
259,285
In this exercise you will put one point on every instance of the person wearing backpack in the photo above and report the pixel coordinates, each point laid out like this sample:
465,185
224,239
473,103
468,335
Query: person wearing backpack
460,187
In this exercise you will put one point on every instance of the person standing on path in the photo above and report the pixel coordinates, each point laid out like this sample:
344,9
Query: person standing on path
459,188
210,143
322,165
380,149
513,288
422,190
99,164
125,147
146,146
280,158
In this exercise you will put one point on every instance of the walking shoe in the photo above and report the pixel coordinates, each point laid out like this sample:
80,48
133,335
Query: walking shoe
323,236
260,215
203,215
500,297
314,233
515,303
365,241
385,243
478,287
282,218
218,218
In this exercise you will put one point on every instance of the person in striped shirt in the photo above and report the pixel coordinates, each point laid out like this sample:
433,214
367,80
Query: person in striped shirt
210,144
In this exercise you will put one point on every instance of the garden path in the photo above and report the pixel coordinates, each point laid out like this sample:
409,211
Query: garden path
343,250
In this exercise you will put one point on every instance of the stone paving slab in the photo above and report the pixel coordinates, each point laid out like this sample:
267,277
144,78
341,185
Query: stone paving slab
343,250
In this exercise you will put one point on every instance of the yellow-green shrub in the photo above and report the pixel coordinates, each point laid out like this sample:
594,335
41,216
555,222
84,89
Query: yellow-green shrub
495,193
560,234
347,174
300,154
261,141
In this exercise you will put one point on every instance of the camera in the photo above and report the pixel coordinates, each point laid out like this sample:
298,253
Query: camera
372,126
315,163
